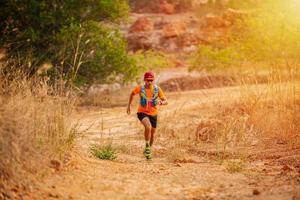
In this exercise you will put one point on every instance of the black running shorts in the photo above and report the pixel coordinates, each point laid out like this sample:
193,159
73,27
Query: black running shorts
153,119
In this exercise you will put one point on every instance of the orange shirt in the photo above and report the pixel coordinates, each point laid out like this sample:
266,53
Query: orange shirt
149,110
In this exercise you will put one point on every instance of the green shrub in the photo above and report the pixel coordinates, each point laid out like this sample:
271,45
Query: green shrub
210,58
104,152
150,60
269,33
72,37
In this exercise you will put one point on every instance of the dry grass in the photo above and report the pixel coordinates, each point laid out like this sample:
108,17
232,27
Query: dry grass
260,117
105,99
35,129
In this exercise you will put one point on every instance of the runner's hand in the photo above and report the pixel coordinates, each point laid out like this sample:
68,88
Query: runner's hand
160,102
128,110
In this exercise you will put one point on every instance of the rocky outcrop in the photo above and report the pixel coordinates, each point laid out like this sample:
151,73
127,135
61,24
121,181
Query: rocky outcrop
141,24
166,7
184,32
174,29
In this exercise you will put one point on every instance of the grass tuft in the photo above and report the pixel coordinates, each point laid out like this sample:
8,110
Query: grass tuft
103,152
234,166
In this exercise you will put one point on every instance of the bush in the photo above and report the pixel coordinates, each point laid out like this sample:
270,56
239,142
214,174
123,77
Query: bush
209,58
267,34
150,60
73,36
105,152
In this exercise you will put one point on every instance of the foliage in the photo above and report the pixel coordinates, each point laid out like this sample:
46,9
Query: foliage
270,34
150,60
210,58
103,152
273,31
241,4
73,36
92,52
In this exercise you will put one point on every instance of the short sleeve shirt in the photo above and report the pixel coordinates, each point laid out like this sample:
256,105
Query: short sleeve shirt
149,109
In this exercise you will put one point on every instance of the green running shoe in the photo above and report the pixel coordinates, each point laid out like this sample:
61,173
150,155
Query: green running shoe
147,153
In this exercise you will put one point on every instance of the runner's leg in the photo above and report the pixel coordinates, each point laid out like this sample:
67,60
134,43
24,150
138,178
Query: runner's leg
152,136
147,125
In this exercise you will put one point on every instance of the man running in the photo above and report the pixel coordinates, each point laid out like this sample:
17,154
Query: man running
151,95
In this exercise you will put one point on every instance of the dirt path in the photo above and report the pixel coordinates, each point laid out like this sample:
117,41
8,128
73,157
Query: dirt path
130,176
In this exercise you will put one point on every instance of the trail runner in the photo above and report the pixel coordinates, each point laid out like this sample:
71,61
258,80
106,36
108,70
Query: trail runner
151,96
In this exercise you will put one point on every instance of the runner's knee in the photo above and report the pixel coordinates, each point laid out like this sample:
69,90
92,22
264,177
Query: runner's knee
148,128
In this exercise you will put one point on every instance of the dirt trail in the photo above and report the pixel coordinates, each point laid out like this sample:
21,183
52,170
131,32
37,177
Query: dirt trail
130,176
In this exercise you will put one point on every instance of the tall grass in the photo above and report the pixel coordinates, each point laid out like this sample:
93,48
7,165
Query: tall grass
268,43
253,116
35,129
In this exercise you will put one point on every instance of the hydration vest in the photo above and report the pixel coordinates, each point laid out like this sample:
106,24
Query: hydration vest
144,100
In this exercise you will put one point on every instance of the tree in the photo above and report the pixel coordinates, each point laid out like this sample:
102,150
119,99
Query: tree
77,38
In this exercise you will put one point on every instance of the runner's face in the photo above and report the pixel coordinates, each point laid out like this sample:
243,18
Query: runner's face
148,82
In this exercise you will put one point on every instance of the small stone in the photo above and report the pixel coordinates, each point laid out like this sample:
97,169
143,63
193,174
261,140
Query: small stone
256,192
287,168
178,165
55,164
53,195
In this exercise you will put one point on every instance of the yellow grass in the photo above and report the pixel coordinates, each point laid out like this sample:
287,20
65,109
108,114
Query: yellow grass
35,129
261,116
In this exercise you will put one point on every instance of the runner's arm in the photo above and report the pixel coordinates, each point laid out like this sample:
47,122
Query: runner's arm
162,97
129,103
163,101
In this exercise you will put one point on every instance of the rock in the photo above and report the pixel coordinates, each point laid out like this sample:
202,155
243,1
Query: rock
141,24
188,39
166,7
169,44
287,168
138,41
53,195
256,192
144,41
212,21
173,29
160,24
232,15
178,165
55,164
